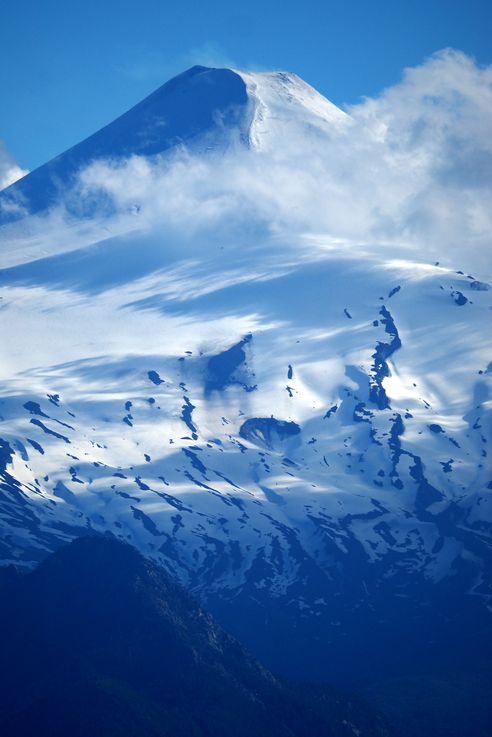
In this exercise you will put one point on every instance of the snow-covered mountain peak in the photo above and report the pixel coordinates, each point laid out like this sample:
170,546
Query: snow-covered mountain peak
203,109
199,109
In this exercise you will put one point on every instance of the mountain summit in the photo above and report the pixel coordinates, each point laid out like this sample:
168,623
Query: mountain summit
203,109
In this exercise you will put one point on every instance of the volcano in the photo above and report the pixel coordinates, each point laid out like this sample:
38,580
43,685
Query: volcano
294,424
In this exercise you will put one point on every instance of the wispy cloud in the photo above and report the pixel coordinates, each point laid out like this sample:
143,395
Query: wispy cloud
10,171
155,67
209,55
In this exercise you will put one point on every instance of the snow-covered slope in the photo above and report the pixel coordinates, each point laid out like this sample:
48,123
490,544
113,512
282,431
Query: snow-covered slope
288,422
284,105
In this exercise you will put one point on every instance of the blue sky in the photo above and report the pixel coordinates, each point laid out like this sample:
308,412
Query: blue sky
69,68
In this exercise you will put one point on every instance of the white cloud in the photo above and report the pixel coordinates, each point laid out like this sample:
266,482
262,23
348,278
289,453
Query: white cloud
10,171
